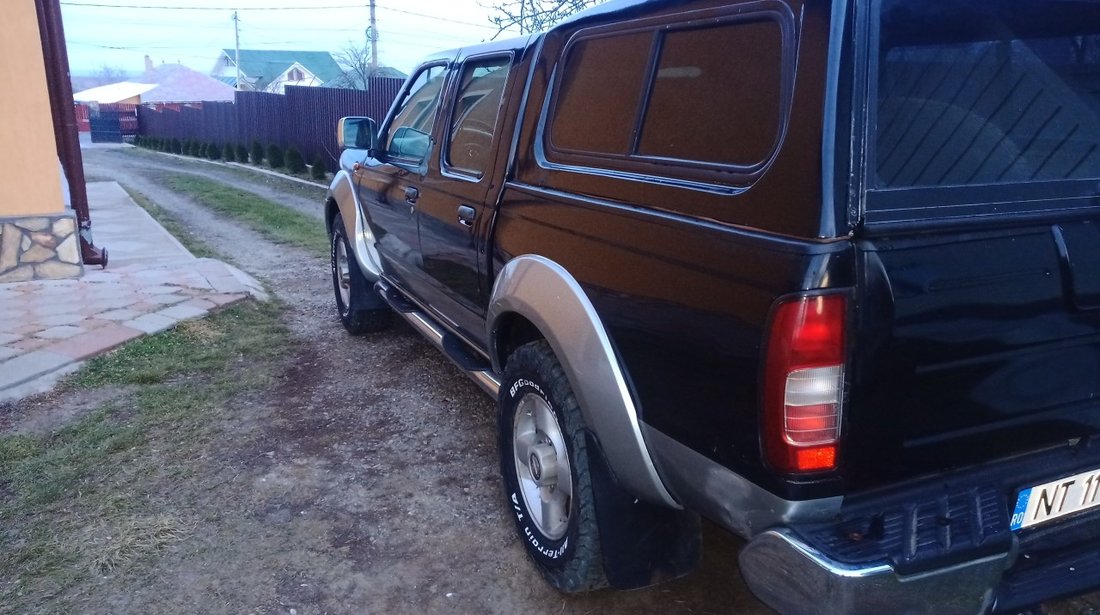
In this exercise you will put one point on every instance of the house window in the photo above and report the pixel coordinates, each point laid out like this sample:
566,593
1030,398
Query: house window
295,75
228,60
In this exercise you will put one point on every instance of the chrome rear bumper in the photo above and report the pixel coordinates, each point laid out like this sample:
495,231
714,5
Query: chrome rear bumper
796,579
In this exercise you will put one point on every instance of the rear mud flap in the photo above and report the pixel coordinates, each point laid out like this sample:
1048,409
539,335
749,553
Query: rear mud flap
642,544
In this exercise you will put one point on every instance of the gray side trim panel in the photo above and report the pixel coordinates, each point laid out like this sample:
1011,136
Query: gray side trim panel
724,497
342,191
544,293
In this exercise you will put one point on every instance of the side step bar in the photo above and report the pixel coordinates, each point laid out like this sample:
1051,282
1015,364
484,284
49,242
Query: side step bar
477,368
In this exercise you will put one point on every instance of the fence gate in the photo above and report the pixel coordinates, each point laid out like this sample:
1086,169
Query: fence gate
110,123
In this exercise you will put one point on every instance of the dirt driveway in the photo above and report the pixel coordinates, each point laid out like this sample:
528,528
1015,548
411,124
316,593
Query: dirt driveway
364,482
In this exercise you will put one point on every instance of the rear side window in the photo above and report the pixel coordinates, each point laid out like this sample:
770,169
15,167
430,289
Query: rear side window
707,96
715,95
474,120
604,80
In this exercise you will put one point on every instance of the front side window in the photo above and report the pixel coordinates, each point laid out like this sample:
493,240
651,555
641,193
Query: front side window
409,136
474,119
985,93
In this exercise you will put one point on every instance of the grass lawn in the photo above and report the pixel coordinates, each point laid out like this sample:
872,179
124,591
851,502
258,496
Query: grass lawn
276,222
94,493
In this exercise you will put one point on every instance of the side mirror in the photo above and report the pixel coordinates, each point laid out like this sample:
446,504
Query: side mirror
356,133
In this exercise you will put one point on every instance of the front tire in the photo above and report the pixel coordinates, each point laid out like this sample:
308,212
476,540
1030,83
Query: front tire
350,287
544,463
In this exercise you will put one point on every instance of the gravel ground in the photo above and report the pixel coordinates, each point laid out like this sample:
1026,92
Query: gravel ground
368,478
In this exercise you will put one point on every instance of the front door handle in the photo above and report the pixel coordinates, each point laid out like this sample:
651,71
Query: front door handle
411,194
466,215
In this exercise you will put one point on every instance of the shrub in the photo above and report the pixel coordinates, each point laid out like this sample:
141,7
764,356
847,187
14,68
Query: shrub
229,153
294,162
242,153
317,167
275,156
213,152
177,147
257,154
202,150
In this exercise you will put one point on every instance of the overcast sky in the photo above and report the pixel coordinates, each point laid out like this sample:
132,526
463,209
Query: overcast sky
119,33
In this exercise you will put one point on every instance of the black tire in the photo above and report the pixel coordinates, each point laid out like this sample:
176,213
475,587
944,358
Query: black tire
566,551
351,288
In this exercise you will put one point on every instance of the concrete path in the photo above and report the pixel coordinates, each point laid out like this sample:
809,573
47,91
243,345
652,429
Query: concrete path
47,328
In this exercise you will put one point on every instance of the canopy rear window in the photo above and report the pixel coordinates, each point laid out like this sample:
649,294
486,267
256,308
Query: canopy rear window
984,107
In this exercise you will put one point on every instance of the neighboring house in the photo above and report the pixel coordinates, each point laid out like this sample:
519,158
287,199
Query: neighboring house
124,92
272,71
167,83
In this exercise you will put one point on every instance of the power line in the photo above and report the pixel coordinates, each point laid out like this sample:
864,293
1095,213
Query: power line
465,23
215,8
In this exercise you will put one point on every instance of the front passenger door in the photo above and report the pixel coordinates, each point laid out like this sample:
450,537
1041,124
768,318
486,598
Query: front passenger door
389,185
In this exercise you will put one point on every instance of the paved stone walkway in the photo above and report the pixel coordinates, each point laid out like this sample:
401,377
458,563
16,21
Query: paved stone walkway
47,328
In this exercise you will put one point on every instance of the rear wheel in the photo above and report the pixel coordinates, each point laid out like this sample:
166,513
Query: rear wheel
544,463
350,287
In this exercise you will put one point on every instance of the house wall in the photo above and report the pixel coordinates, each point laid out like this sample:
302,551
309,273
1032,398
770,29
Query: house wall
278,84
30,179
38,237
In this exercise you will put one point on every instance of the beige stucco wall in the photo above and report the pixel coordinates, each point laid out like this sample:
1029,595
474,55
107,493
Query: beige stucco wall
30,180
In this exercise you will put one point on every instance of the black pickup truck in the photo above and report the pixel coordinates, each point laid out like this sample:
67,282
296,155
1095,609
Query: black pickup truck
825,273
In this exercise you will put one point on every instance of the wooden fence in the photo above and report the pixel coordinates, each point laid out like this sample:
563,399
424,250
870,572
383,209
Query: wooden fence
304,118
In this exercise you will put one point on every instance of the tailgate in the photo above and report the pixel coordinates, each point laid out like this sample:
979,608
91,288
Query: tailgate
972,347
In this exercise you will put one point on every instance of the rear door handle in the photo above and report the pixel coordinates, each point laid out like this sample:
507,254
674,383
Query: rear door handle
466,215
411,194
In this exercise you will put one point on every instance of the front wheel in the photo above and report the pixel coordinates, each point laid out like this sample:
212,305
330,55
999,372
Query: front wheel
351,288
544,463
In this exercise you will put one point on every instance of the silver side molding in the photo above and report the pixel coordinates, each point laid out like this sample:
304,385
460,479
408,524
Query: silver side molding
546,294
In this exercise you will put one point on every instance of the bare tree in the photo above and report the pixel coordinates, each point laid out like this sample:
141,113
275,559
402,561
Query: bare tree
535,15
355,60
110,74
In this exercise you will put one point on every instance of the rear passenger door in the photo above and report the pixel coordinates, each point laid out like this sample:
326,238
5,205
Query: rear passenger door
456,202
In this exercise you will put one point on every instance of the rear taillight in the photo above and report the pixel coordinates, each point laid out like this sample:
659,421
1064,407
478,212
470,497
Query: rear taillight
804,383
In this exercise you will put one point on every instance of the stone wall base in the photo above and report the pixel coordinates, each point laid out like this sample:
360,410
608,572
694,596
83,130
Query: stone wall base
39,248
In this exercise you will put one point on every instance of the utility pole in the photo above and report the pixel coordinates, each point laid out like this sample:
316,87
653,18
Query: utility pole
237,48
372,38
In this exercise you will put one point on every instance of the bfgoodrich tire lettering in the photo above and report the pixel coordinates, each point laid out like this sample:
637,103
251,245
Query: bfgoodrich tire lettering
349,286
544,463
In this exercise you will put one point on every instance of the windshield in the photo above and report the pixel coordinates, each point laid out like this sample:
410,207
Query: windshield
987,92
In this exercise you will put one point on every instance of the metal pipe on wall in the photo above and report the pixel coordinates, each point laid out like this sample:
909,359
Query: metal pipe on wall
60,88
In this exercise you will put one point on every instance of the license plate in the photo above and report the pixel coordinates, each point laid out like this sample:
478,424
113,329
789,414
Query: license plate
1056,499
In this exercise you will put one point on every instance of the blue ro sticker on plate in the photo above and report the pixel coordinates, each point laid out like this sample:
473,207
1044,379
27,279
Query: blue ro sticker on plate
1021,510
